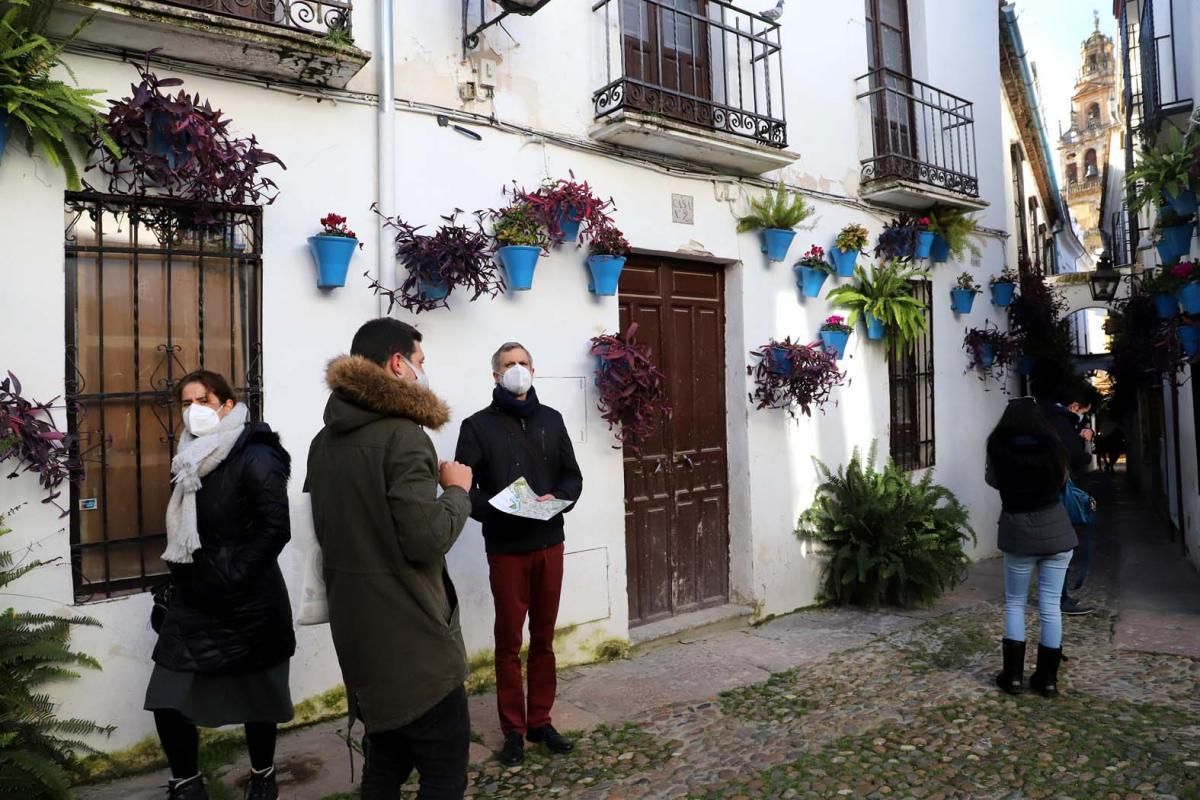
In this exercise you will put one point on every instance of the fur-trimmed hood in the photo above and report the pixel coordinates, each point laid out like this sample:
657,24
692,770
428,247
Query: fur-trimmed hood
363,391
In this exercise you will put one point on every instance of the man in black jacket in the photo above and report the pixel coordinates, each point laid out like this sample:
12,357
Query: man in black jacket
1069,420
518,437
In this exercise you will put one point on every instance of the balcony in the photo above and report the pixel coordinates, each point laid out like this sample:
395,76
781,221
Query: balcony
922,144
294,41
1084,187
698,81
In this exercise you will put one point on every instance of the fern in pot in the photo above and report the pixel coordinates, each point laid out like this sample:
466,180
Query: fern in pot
884,298
954,234
887,537
776,215
51,116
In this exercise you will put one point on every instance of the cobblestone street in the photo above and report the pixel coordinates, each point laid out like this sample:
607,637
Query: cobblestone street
830,703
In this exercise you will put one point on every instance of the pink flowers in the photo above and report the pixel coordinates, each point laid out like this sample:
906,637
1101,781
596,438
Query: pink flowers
335,225
922,222
1184,270
835,323
815,253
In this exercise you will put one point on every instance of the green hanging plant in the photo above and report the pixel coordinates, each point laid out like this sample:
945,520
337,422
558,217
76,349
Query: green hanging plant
781,210
50,115
886,293
1162,169
957,228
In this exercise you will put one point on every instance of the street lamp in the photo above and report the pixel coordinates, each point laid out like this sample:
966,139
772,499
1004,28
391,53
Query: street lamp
1105,281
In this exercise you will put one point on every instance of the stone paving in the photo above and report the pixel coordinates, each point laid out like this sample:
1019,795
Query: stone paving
838,703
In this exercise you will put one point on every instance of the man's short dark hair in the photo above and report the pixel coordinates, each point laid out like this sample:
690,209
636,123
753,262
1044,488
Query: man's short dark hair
380,339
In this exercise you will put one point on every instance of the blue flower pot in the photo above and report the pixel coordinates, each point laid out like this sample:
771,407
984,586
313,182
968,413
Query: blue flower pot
519,262
939,253
1189,298
332,254
775,243
568,223
924,244
778,361
835,341
1175,242
1002,294
987,355
1189,340
875,329
1166,305
844,261
1184,204
1025,364
434,290
962,300
606,274
3,131
810,280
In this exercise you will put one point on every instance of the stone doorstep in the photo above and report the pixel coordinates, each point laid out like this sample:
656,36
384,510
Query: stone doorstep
691,626
1157,632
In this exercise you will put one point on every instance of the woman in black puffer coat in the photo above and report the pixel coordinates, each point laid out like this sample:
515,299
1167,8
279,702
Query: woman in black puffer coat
226,639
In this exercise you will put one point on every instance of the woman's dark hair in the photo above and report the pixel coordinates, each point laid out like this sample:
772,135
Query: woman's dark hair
380,339
1023,444
214,383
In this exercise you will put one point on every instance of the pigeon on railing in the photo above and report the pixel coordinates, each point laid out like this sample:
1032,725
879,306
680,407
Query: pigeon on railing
773,14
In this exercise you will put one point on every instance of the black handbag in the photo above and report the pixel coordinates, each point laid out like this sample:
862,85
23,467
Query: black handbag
162,596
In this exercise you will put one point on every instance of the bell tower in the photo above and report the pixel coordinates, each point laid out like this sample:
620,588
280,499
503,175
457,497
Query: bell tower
1086,147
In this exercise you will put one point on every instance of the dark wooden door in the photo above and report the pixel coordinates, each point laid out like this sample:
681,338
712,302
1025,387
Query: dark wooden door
676,499
667,55
888,48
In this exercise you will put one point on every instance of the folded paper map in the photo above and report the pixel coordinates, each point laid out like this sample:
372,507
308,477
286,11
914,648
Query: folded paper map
520,500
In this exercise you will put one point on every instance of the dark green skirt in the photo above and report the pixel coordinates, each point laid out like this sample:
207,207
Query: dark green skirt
211,701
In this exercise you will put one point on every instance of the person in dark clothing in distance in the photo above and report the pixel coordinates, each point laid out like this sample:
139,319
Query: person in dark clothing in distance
384,531
518,437
1027,464
1068,419
225,639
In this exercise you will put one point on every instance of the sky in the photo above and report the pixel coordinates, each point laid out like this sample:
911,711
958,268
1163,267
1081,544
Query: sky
1054,32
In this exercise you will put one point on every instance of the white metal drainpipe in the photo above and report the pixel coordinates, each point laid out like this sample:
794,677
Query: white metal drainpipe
386,140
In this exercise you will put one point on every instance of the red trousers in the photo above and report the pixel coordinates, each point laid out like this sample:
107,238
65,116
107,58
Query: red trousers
526,584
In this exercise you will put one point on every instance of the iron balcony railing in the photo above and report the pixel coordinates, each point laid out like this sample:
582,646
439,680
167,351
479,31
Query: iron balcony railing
1162,92
919,133
1075,188
705,63
319,17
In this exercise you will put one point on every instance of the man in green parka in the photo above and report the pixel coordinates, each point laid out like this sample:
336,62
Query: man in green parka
384,532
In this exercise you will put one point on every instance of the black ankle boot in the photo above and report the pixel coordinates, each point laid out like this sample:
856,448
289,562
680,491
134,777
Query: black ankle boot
262,786
190,789
1045,676
513,752
1011,678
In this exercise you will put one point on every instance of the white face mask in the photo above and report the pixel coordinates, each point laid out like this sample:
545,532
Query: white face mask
200,420
422,379
517,379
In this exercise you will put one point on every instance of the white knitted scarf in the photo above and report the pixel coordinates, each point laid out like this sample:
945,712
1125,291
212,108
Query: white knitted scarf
196,457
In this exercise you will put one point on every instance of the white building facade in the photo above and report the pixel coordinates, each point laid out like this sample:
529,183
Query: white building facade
707,519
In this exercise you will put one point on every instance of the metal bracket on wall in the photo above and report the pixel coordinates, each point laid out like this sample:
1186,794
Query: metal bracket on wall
471,35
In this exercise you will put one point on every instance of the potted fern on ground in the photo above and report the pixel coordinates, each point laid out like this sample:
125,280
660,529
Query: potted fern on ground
884,298
962,296
48,114
851,241
812,270
776,215
521,238
887,538
954,234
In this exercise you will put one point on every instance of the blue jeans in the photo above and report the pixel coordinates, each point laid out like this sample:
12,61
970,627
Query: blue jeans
1052,572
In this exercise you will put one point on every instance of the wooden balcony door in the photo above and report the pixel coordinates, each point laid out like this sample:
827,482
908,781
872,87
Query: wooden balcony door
667,56
888,48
